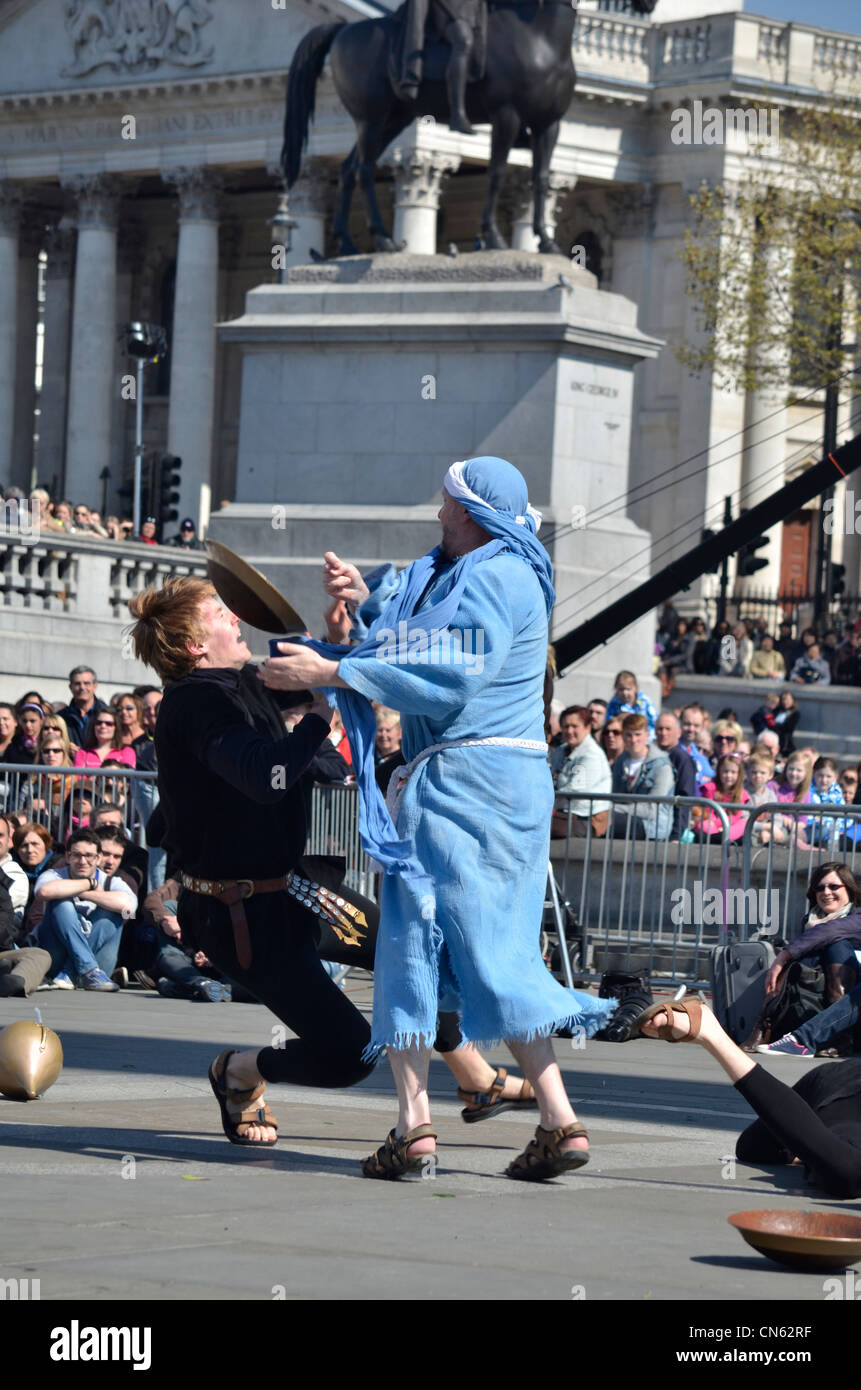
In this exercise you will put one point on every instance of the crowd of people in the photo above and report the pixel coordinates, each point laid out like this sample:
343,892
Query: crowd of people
47,517
746,649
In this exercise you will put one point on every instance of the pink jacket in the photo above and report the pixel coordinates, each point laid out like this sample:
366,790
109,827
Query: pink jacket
88,757
710,824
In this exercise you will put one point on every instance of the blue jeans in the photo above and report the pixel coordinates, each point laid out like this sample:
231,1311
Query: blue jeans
831,1021
70,949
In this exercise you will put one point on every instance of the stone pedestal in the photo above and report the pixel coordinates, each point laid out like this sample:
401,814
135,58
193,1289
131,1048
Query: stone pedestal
364,378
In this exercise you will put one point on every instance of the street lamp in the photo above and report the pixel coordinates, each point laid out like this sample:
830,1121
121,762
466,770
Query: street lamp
147,344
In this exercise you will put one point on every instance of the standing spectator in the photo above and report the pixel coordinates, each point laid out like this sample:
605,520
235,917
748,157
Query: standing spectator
645,771
19,888
84,705
132,734
151,701
43,795
786,719
597,714
629,699
40,512
579,765
83,918
692,719
387,755
8,725
811,669
187,536
31,717
767,663
148,535
736,656
728,787
610,740
787,646
847,662
102,742
667,735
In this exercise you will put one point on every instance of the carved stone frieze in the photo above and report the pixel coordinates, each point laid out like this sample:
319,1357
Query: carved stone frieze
135,36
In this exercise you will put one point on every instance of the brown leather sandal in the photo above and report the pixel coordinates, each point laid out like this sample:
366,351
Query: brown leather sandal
692,1007
236,1126
543,1158
480,1105
391,1160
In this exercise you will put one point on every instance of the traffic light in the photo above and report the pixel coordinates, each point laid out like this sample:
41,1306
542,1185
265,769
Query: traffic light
168,489
838,579
747,560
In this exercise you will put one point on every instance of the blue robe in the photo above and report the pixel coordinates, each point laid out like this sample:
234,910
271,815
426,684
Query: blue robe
479,818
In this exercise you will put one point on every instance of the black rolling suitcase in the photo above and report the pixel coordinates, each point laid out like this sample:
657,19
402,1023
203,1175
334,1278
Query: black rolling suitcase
738,985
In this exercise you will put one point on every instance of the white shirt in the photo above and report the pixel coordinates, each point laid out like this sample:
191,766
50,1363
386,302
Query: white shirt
84,908
19,888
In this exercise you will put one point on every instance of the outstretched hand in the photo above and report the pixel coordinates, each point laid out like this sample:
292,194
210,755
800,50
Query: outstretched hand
343,581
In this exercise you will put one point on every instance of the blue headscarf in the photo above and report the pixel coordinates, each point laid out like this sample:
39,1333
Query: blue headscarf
494,494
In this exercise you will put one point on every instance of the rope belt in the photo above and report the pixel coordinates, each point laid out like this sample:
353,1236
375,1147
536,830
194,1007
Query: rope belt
402,775
346,920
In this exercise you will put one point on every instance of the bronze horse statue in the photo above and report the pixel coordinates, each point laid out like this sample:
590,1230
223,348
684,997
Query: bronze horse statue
525,92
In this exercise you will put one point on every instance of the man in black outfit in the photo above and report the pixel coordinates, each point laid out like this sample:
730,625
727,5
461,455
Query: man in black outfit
234,794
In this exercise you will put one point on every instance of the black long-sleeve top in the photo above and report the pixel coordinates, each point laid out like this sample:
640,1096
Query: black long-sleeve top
233,785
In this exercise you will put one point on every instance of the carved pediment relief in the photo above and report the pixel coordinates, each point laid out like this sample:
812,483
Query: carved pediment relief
135,36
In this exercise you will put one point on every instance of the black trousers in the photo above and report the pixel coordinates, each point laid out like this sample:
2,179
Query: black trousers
828,1141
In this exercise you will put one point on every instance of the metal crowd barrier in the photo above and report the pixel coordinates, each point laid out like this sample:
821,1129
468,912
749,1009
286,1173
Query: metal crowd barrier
57,797
814,835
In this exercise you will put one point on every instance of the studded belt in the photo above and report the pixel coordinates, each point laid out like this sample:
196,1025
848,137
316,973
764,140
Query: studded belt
346,920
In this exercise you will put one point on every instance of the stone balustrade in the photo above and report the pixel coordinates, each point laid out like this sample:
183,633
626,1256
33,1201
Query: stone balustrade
64,600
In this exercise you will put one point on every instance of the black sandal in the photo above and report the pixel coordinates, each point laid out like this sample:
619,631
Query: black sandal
236,1126
542,1158
391,1159
482,1104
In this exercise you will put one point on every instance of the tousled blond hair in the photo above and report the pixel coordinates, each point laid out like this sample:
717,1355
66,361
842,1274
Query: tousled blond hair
167,620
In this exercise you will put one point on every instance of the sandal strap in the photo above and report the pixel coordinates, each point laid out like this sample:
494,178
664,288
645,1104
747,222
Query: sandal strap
262,1115
552,1138
478,1099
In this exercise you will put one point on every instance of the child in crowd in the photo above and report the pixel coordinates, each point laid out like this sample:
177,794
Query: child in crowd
761,787
826,791
794,789
628,699
728,786
848,780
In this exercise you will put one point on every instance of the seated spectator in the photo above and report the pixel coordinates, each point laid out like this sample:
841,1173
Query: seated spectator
765,716
698,634
736,655
826,791
84,704
848,780
769,742
387,754
109,816
114,789
787,646
794,789
33,847
728,786
78,807
811,669
597,715
761,787
19,888
714,649
83,916
726,736
187,538
103,741
829,648
610,740
786,719
677,653
767,664
579,765
668,732
22,968
847,661
180,972
645,771
132,734
743,750
692,719
628,699
831,932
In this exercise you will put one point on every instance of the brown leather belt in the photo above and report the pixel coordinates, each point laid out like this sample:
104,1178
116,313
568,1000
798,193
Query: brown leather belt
233,893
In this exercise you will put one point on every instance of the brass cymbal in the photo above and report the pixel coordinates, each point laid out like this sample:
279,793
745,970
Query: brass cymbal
249,594
31,1059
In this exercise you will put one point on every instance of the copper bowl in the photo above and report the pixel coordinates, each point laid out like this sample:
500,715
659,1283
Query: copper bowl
802,1239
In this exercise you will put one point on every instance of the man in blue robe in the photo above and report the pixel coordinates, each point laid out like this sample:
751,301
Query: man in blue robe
457,644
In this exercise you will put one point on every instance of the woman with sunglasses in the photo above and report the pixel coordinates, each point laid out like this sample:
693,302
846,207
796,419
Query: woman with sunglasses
129,709
43,796
610,739
831,933
103,741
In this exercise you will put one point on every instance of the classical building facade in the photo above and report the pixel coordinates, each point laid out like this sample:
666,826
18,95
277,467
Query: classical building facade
139,179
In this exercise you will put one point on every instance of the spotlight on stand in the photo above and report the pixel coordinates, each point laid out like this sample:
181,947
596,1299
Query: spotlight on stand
147,344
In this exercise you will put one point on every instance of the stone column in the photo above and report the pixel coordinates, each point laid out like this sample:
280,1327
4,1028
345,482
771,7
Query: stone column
29,246
418,181
310,203
53,401
765,413
192,339
94,336
10,211
517,195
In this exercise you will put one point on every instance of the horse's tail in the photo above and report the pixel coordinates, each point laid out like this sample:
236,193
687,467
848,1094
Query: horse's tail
305,69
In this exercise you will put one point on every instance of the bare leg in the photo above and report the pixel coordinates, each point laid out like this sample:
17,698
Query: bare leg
539,1066
410,1070
473,1073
